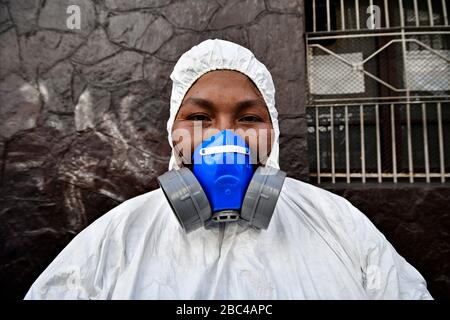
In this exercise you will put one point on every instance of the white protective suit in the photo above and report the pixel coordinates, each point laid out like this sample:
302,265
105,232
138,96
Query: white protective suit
317,246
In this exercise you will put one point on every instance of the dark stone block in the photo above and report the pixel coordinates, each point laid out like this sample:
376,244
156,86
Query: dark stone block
36,230
237,12
4,15
141,120
157,73
286,6
98,47
293,146
20,105
29,165
2,152
293,155
236,34
124,67
55,86
185,40
64,123
284,59
9,53
142,31
195,14
92,107
178,44
43,49
290,97
24,14
20,268
108,166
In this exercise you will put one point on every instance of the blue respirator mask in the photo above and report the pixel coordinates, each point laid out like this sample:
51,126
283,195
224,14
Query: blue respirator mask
222,186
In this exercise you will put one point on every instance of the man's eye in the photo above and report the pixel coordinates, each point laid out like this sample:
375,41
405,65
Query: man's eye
250,119
199,117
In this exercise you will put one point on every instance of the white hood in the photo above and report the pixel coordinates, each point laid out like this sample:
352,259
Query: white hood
221,55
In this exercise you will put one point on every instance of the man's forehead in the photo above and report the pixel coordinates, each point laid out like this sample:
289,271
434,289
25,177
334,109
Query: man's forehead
226,83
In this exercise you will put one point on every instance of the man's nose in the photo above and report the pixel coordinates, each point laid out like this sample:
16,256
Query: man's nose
224,123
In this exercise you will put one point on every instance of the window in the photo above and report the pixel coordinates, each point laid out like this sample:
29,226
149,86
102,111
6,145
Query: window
378,90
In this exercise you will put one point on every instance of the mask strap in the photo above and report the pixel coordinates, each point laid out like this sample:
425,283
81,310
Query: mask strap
224,149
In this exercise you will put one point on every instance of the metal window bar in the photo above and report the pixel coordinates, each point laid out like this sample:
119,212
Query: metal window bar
342,15
322,12
333,163
386,14
328,16
314,16
430,13
347,148
444,12
416,13
348,173
425,143
317,145
376,35
399,175
394,145
409,141
363,146
377,130
405,80
441,141
401,13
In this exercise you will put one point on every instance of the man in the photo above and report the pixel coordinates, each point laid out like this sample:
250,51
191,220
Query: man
316,246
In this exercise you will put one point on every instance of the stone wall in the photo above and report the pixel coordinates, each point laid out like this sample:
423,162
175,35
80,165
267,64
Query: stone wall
83,112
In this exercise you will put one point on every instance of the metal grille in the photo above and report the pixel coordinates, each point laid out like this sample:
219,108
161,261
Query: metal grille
378,90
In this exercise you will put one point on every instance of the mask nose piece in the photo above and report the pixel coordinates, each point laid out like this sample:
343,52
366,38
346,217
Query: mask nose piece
225,216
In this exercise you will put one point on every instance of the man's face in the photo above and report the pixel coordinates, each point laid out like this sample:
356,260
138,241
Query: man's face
222,100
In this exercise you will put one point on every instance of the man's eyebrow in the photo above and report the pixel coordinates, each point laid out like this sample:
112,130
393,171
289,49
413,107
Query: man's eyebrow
199,101
252,102
241,104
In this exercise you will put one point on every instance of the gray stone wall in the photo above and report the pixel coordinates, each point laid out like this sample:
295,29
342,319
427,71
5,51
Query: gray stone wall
83,112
